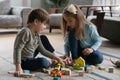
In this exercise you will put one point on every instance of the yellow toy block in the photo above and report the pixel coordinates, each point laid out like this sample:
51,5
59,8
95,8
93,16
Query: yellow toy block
80,61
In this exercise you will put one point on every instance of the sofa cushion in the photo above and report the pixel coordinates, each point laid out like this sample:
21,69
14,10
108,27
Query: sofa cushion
4,7
55,19
10,21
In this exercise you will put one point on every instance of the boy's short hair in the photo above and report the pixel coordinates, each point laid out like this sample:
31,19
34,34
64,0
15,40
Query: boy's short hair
39,14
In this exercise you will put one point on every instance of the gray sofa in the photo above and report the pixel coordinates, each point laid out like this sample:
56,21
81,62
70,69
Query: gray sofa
12,17
55,21
110,28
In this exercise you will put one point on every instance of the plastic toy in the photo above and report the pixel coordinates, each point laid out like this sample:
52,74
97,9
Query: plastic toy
59,66
56,78
56,73
26,71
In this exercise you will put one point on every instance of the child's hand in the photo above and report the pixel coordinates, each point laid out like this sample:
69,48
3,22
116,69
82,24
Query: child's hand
87,51
18,73
54,62
67,60
60,60
19,70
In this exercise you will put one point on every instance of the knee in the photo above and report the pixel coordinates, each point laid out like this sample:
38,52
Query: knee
95,61
43,37
95,58
98,59
44,63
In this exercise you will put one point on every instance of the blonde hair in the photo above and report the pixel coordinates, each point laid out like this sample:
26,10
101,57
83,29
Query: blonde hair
79,16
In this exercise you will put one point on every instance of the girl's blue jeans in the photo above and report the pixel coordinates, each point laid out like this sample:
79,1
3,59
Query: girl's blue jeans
38,63
95,57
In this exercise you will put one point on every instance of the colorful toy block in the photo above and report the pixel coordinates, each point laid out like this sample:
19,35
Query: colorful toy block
65,71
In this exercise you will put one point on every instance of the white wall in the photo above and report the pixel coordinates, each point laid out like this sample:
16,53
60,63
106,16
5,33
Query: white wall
35,3
26,3
16,2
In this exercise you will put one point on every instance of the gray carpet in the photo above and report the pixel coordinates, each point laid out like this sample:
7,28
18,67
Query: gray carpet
6,54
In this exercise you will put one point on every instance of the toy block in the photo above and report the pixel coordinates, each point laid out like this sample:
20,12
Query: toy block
110,69
86,66
80,72
80,61
89,70
56,78
49,72
26,71
26,75
55,73
59,66
101,68
66,71
81,68
78,67
92,66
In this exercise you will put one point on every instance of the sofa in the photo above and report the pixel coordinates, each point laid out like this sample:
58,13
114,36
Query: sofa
110,28
12,17
55,21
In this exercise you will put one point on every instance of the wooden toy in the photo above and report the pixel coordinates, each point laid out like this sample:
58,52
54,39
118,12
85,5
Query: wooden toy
110,69
101,68
117,63
78,67
26,75
80,61
65,71
88,70
81,73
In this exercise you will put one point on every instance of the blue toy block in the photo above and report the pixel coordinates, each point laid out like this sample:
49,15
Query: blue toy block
86,66
26,71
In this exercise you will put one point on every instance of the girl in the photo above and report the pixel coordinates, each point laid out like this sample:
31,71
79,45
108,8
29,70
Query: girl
81,36
28,43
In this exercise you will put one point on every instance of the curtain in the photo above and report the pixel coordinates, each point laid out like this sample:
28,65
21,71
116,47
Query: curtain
107,2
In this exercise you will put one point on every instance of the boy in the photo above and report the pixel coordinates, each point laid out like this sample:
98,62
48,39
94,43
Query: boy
28,43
